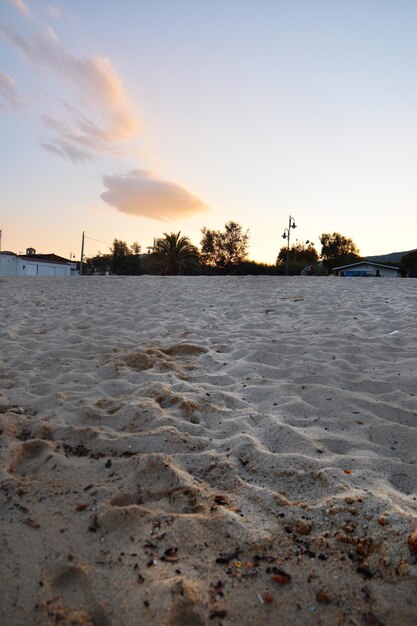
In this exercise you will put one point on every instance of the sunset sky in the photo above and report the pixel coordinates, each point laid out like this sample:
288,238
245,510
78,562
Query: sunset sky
133,118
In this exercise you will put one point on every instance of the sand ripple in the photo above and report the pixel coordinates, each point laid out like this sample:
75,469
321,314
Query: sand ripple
168,442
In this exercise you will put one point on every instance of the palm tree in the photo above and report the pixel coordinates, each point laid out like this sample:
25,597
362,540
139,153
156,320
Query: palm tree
173,254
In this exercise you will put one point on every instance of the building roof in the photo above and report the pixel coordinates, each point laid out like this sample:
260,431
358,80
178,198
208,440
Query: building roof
46,258
365,262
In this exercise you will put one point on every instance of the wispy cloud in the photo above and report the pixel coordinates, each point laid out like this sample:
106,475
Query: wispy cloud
9,96
67,149
103,116
142,193
96,117
22,7
53,11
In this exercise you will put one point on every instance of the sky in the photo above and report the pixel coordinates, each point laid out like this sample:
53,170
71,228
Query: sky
134,118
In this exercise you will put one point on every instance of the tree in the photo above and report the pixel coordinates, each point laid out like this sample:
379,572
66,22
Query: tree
300,255
125,260
134,264
224,249
135,248
337,250
173,255
99,264
253,268
120,252
408,264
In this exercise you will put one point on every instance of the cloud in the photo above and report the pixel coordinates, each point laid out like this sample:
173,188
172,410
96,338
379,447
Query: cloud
9,96
82,132
22,7
96,117
103,116
66,149
53,11
142,193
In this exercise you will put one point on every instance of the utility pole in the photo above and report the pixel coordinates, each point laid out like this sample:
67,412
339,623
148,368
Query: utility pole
82,255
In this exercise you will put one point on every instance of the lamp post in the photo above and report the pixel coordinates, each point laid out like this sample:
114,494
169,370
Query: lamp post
82,254
286,235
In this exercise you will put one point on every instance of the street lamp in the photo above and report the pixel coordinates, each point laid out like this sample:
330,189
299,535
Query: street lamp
286,235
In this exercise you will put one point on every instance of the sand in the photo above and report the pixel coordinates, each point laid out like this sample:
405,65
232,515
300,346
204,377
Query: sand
186,451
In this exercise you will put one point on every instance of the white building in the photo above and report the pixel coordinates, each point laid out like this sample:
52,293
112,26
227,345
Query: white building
32,264
367,268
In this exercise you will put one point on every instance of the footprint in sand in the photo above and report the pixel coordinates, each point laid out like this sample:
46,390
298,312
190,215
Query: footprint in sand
71,581
183,598
29,457
73,599
184,349
162,486
164,358
157,486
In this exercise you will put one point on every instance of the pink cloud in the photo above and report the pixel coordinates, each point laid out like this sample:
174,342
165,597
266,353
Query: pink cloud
53,11
104,115
142,193
22,7
9,96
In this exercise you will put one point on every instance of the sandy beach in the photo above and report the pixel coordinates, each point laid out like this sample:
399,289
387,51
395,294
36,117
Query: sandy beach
187,451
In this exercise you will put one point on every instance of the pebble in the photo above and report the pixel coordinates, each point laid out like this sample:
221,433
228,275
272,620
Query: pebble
323,597
412,541
303,527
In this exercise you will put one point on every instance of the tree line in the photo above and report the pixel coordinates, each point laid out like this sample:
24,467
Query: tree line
221,252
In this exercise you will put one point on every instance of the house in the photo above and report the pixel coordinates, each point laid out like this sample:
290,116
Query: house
367,268
32,264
